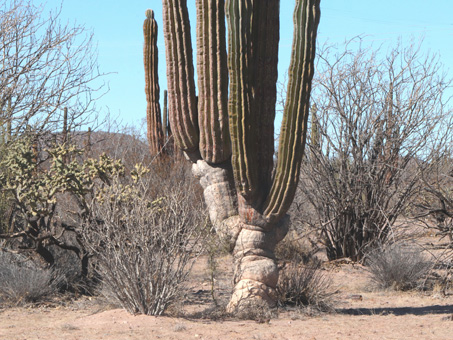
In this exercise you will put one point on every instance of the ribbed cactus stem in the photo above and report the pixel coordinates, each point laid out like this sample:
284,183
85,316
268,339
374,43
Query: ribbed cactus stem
149,14
315,138
215,146
65,125
255,222
152,89
180,75
88,143
294,124
253,50
65,132
165,117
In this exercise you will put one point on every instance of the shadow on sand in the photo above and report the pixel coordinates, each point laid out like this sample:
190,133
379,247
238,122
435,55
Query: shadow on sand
436,309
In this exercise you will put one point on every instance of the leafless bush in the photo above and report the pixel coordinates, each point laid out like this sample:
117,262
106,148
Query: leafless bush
145,245
22,282
378,123
398,266
46,65
295,247
435,204
301,285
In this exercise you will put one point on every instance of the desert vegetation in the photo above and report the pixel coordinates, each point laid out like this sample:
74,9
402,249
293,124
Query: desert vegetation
359,186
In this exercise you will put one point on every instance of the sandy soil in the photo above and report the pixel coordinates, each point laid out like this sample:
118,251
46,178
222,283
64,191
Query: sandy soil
417,323
361,314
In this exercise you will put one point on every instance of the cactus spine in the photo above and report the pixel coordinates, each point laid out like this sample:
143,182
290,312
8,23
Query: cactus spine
249,210
150,59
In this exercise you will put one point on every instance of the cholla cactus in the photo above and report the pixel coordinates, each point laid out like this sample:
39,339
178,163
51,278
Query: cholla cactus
228,134
33,191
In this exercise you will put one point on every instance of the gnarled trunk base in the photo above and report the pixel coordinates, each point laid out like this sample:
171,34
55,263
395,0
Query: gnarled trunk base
255,266
252,241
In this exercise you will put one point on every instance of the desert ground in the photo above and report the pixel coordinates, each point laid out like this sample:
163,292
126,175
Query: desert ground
361,312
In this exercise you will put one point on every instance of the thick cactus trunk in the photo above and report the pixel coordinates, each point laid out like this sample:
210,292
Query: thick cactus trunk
219,195
262,200
255,266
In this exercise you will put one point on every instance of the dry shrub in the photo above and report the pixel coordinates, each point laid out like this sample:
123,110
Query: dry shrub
257,310
305,286
21,281
144,245
398,266
295,248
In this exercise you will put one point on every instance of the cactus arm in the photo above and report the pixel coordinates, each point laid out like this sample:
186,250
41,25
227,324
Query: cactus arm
239,104
266,39
253,46
215,146
150,59
180,74
294,125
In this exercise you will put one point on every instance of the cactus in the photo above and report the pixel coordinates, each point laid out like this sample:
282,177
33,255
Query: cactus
212,69
315,137
165,118
228,134
88,143
150,53
65,125
65,132
180,75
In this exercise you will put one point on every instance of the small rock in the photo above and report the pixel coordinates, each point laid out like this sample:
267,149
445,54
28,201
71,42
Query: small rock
448,318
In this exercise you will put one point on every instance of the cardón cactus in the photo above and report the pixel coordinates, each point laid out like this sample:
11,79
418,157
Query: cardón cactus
150,59
228,133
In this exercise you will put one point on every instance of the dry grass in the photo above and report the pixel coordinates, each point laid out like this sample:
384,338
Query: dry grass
306,286
22,282
398,267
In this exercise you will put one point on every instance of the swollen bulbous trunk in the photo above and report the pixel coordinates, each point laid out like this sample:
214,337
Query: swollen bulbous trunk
255,265
252,240
219,195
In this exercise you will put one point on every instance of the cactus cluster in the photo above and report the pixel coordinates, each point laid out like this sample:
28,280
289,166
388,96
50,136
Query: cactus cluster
228,130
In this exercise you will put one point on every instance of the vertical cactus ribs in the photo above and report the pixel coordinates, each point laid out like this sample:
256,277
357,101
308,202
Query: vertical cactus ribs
294,125
201,124
253,58
252,209
165,118
212,81
150,58
180,75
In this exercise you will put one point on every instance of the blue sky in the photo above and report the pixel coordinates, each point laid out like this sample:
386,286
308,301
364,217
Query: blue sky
117,28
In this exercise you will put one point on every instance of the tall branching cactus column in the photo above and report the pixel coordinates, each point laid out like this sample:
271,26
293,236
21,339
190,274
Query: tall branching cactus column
228,134
150,59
